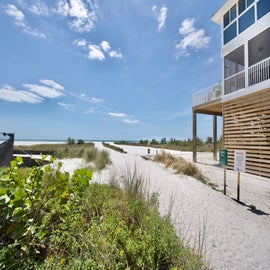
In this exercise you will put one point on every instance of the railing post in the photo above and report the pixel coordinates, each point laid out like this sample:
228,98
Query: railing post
246,64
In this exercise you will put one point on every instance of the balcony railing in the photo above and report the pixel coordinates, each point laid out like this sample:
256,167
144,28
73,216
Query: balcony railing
234,82
255,74
259,72
207,95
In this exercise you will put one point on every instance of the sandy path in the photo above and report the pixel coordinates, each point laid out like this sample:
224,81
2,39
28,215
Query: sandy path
235,237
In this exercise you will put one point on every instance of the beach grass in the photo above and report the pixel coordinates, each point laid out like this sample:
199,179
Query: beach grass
87,151
180,165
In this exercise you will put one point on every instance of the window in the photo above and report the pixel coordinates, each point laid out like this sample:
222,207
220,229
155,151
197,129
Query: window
233,13
229,16
234,62
230,33
241,6
263,7
226,19
249,2
246,19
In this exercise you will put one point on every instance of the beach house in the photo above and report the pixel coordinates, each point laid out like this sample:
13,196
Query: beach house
242,97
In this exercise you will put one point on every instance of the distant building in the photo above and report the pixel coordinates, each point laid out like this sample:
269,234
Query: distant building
242,98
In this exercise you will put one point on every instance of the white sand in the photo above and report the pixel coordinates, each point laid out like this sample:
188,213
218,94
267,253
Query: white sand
235,237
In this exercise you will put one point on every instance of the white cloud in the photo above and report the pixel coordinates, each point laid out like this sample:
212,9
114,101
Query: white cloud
49,89
39,8
14,12
105,45
80,42
117,114
96,100
12,95
95,53
91,110
123,117
62,8
82,14
187,26
130,121
162,16
19,20
192,38
98,52
115,54
68,107
53,84
210,60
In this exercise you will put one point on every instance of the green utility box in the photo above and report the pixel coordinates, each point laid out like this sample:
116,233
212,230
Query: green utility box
223,157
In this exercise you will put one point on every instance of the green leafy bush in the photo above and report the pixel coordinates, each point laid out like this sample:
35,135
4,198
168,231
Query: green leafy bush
31,205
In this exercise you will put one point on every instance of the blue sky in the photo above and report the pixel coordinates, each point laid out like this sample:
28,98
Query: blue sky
106,70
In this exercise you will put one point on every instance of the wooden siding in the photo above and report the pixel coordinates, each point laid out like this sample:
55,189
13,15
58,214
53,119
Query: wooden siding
246,126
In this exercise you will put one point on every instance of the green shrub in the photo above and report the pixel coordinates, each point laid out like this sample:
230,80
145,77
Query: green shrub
113,147
102,159
80,141
70,140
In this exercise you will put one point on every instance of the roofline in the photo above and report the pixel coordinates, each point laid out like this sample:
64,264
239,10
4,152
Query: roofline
218,16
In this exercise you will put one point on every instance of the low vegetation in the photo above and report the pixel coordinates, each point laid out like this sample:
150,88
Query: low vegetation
174,144
180,165
86,151
50,220
114,147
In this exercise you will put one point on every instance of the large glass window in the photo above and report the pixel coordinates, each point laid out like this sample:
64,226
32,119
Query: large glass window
247,19
249,2
241,6
229,16
263,7
233,13
226,19
230,33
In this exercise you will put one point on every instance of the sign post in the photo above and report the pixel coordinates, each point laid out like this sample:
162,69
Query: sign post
239,166
223,160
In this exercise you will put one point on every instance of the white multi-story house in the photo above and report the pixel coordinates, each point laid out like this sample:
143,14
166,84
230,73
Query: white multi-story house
242,97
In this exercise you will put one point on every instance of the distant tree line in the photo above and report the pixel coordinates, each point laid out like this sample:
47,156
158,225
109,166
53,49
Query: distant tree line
173,141
72,141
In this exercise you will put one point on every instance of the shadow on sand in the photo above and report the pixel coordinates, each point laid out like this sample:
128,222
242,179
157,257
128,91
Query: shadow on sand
253,209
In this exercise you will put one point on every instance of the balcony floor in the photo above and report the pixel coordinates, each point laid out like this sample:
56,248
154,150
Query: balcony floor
211,108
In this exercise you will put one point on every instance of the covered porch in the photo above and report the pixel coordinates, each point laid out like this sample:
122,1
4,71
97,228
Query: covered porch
207,101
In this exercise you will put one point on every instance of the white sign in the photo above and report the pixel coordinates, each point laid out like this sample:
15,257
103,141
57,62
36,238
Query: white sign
239,160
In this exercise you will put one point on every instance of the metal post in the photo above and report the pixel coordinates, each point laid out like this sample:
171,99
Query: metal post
238,186
194,137
215,137
224,180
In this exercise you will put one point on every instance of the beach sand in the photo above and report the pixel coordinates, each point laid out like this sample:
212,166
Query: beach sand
233,236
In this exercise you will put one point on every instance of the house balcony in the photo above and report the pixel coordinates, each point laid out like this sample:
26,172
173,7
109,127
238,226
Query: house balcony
208,100
253,76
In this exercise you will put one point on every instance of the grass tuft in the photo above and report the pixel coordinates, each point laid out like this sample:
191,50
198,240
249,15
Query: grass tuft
180,165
